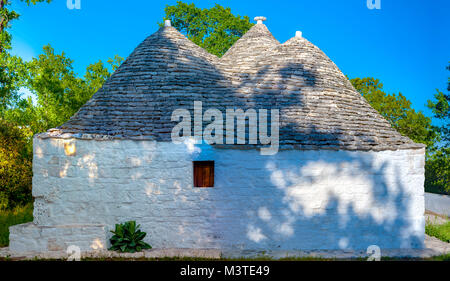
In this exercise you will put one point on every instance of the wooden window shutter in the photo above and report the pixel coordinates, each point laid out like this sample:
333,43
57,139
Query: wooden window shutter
203,173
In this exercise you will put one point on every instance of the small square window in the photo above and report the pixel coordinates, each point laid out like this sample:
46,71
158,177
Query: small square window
203,173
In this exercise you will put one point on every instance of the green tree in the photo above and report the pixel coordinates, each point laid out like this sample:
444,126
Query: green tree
15,148
397,110
437,171
215,29
97,73
59,92
12,68
13,72
437,168
441,111
15,165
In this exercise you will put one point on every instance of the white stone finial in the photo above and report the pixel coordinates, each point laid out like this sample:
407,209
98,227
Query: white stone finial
259,20
167,23
298,34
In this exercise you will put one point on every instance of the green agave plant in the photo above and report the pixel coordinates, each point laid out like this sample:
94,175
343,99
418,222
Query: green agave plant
128,238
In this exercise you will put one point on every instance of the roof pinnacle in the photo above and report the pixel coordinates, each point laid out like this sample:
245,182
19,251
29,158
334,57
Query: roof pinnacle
259,20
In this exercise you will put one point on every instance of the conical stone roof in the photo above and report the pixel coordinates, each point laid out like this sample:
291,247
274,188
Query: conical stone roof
258,40
165,72
319,108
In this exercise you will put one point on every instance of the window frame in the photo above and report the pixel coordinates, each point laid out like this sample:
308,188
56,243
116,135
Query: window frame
203,174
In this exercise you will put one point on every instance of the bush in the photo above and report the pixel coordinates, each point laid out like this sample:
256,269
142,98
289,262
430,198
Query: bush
128,238
15,165
12,217
437,172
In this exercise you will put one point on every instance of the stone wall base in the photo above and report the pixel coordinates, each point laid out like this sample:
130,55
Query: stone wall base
30,237
105,254
434,247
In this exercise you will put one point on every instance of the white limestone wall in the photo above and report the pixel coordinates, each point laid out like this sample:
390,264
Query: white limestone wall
291,200
29,237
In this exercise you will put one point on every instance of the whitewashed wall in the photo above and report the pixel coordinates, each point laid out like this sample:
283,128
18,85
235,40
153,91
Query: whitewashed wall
292,200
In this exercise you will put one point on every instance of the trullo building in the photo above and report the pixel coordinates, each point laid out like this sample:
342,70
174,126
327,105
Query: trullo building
340,176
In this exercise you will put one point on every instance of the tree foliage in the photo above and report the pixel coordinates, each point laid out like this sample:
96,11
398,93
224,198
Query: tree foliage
437,171
58,90
397,110
12,68
437,168
441,111
15,165
15,141
215,29
13,74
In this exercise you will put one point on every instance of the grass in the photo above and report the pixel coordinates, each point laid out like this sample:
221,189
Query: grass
11,217
440,258
440,231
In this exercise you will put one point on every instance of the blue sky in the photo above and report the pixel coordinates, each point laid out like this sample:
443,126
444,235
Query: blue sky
406,43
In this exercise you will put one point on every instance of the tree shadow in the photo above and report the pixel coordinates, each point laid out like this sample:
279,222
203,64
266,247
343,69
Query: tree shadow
319,202
313,197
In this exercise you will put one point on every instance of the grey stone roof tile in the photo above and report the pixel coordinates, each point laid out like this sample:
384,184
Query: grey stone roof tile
319,108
